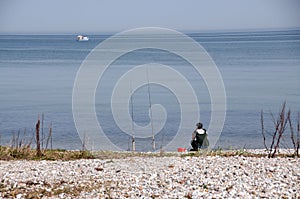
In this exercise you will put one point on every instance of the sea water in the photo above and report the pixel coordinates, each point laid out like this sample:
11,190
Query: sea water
260,70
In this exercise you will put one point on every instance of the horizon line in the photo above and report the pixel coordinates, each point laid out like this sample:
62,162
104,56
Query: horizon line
108,32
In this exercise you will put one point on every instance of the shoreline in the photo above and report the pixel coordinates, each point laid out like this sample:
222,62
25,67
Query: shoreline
28,153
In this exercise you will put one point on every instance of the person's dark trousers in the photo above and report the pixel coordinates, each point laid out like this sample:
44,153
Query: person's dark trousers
195,146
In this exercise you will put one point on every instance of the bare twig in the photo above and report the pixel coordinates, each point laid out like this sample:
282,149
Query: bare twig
13,140
49,136
42,130
17,139
84,142
280,125
298,135
273,138
263,129
37,134
31,140
273,118
282,121
292,132
23,140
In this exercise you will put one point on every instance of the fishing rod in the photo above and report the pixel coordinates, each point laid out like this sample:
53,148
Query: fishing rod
150,105
132,120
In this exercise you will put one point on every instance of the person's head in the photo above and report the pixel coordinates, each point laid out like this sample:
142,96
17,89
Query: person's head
199,125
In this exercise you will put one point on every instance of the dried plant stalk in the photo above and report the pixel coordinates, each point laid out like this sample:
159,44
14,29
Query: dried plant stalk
37,134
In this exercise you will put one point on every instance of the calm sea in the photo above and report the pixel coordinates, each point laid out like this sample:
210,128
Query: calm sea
260,70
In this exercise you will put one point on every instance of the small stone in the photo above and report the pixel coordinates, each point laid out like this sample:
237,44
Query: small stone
99,169
161,177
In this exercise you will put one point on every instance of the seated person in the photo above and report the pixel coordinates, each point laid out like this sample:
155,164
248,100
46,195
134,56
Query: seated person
199,138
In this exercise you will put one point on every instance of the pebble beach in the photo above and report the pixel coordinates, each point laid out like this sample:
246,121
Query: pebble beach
153,177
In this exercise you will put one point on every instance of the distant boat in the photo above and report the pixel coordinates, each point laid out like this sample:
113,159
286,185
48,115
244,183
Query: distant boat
82,38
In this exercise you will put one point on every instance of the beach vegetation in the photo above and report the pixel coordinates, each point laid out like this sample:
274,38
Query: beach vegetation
38,145
280,126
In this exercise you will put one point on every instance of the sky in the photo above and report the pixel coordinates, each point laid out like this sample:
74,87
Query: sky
96,16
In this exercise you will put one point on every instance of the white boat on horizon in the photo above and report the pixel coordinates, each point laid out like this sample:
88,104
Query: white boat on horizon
82,38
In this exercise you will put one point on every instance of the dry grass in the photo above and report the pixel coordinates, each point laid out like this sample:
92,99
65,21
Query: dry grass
7,153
